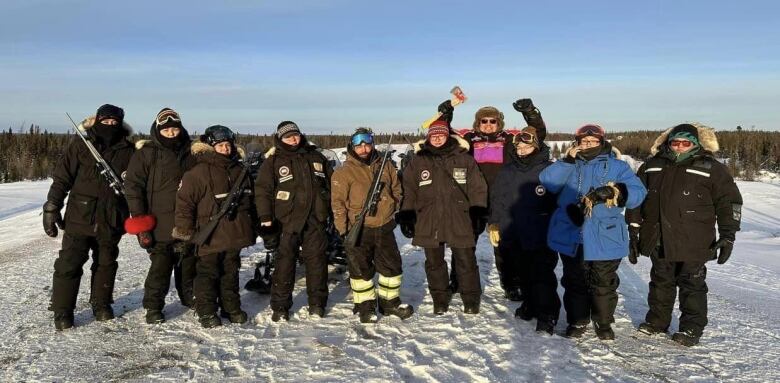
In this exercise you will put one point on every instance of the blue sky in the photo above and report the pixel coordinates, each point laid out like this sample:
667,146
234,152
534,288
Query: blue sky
336,65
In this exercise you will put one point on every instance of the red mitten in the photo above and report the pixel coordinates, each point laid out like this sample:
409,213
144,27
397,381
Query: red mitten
140,223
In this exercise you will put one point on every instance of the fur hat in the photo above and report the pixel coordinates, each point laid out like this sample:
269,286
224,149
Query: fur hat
488,111
523,134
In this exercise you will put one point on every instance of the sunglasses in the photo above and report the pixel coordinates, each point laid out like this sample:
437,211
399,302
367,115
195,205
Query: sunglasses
488,121
681,143
590,130
361,138
524,137
166,116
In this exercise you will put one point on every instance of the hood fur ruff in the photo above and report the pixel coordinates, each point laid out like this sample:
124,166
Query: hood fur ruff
140,144
90,121
461,142
707,138
199,148
615,150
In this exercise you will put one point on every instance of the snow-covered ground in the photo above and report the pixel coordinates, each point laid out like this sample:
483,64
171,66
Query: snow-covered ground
742,342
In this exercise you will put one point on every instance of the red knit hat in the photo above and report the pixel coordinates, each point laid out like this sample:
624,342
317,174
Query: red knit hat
439,127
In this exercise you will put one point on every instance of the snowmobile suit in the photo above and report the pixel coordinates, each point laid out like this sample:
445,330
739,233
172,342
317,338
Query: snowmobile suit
677,226
153,177
293,189
377,250
203,189
591,253
441,185
521,208
94,216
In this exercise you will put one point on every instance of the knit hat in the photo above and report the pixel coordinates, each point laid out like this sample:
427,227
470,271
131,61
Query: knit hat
528,135
110,111
168,118
217,133
685,131
488,111
439,127
287,128
592,130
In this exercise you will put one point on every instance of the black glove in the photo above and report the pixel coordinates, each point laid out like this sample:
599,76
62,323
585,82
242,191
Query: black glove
183,248
725,246
406,219
633,244
523,105
479,218
51,218
145,239
574,211
270,234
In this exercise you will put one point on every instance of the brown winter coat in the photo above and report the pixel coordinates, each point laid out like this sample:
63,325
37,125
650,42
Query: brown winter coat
350,186
440,185
685,200
203,189
93,207
153,178
293,186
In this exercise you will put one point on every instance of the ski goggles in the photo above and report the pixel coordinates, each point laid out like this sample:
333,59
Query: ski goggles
362,138
590,130
681,143
166,116
525,137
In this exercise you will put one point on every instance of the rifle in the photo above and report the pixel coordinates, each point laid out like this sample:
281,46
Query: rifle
230,203
370,204
114,182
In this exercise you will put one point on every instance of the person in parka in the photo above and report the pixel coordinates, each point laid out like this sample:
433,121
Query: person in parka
442,185
689,192
293,205
153,177
94,216
588,228
492,147
519,217
376,251
203,190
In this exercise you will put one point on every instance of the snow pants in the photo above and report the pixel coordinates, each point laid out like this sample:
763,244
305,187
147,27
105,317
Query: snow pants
166,257
68,269
376,252
590,289
467,276
216,282
310,244
665,278
534,273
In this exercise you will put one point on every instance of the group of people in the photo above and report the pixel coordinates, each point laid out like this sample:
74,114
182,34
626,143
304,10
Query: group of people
588,208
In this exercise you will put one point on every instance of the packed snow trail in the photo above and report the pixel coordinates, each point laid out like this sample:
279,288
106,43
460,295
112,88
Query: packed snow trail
741,343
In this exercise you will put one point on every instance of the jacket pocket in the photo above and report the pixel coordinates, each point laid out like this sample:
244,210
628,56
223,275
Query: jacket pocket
611,233
81,209
283,205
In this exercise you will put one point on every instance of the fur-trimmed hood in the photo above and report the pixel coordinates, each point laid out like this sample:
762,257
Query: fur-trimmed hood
305,143
200,148
89,122
418,146
707,138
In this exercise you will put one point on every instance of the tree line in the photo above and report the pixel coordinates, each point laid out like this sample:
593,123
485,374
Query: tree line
31,154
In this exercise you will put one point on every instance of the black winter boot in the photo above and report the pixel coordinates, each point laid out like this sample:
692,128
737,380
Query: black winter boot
103,313
604,331
440,308
210,321
239,316
513,294
648,328
576,330
546,325
63,320
686,338
471,308
279,315
154,316
317,310
402,311
524,312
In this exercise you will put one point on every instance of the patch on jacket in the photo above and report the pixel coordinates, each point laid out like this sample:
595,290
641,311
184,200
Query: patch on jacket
317,166
282,195
425,175
123,175
540,190
285,174
319,174
697,172
459,174
426,182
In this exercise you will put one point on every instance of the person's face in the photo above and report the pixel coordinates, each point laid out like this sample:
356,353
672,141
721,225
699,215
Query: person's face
680,145
488,125
224,148
170,132
364,150
109,121
292,139
438,140
524,149
589,142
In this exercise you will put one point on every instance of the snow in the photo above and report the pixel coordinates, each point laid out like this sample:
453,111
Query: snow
740,343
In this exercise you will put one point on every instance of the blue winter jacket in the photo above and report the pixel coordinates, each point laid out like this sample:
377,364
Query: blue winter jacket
604,235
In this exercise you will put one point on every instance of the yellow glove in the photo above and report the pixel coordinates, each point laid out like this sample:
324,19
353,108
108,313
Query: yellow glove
494,235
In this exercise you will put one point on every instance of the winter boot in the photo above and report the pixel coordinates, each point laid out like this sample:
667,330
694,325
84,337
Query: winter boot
440,308
604,331
576,330
367,314
471,307
239,316
524,312
154,316
402,311
686,338
317,310
209,321
513,294
648,328
545,325
103,313
279,315
63,320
